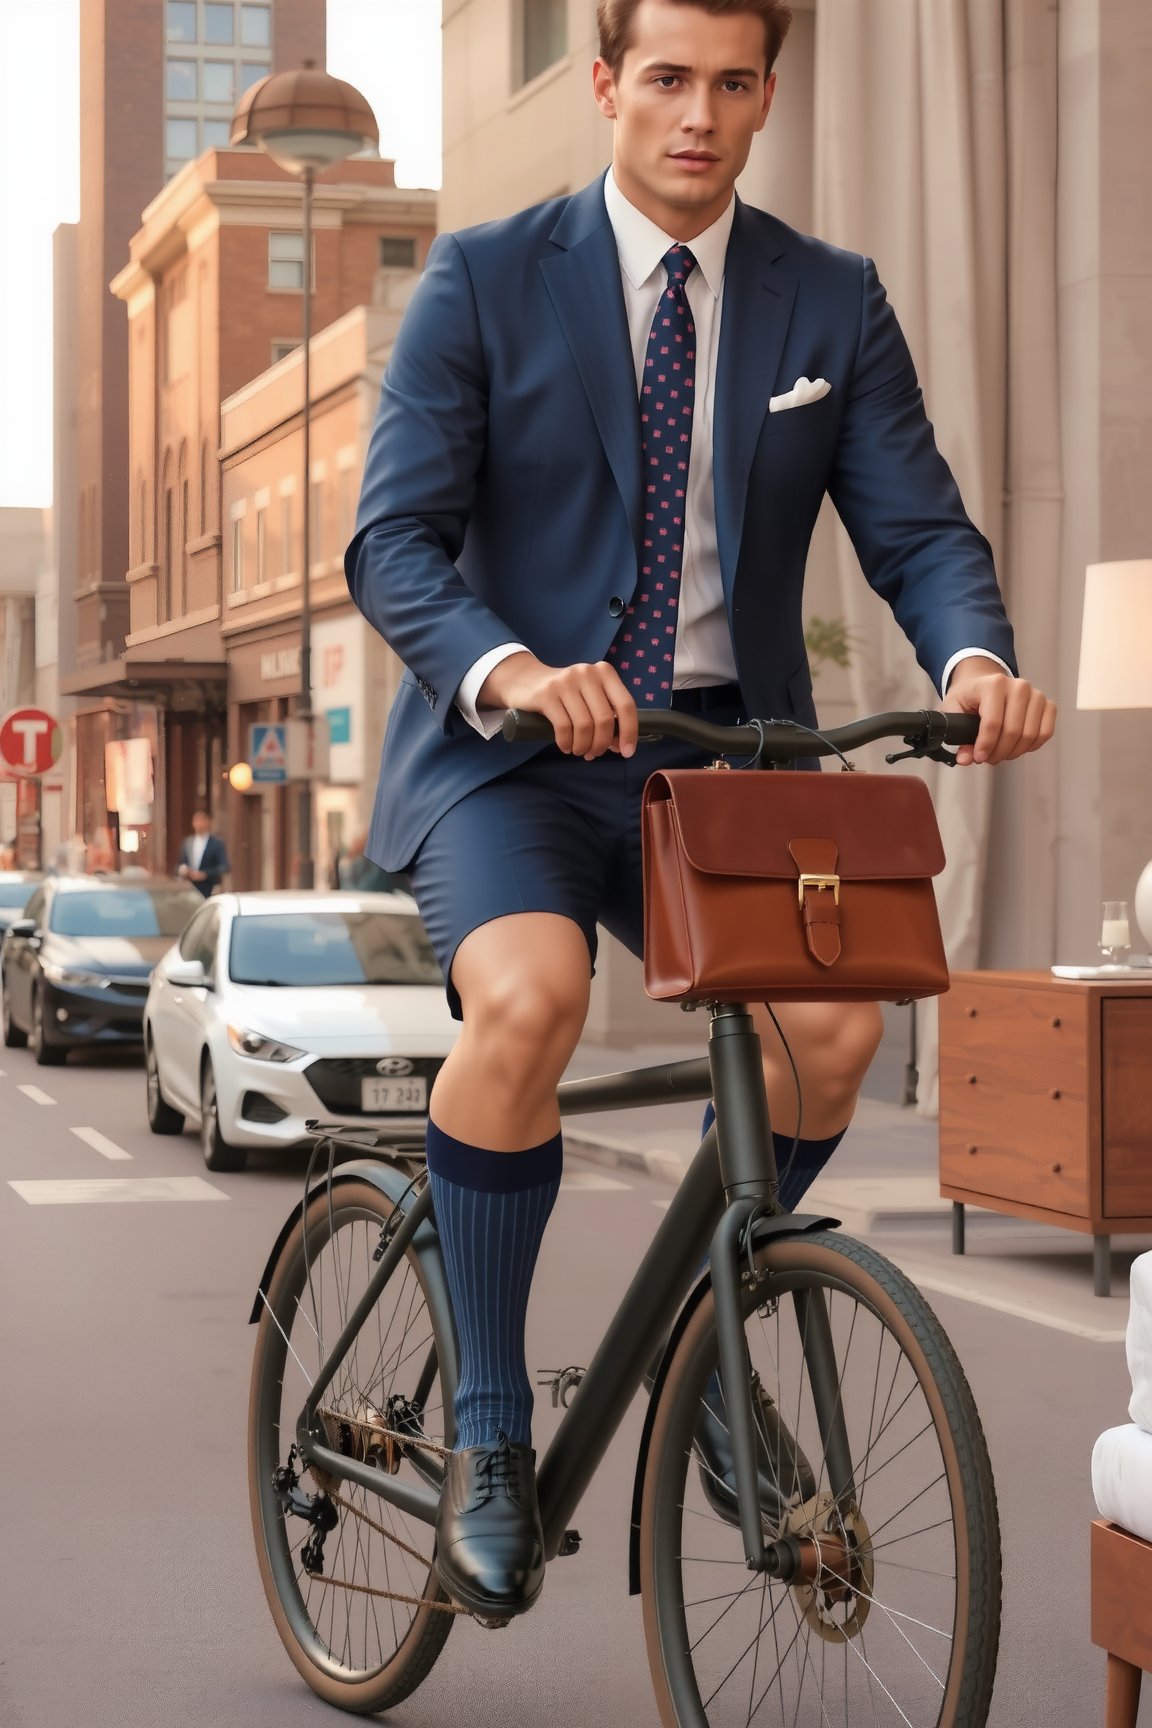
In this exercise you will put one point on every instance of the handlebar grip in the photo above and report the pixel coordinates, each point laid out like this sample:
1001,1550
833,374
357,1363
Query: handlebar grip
961,728
522,728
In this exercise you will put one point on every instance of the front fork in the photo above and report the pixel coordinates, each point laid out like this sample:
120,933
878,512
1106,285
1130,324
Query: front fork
748,1171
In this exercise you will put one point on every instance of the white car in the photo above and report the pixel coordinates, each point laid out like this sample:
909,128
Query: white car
276,1008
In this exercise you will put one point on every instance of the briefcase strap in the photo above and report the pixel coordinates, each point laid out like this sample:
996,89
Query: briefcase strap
819,896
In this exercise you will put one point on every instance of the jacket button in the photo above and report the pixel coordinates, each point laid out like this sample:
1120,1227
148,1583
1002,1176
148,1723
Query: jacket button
616,606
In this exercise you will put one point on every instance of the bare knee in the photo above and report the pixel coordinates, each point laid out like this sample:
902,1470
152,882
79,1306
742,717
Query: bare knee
833,1045
524,985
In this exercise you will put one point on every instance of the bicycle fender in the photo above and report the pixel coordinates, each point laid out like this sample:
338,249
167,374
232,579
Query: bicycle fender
763,1230
386,1177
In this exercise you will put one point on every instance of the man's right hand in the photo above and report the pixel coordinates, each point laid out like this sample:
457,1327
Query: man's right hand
589,708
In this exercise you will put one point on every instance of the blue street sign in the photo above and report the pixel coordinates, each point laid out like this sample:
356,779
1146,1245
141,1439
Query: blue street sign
268,754
339,725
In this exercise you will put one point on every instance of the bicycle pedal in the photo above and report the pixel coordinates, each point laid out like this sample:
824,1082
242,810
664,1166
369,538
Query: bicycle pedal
488,1624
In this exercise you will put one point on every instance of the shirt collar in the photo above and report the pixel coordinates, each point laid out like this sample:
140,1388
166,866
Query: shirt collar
642,245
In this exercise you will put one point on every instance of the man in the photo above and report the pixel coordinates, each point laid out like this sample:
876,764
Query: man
603,438
203,855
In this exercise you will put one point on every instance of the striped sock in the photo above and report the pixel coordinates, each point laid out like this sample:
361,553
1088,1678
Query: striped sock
491,1210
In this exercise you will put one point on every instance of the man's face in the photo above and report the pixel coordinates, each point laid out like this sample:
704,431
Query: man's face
201,824
689,98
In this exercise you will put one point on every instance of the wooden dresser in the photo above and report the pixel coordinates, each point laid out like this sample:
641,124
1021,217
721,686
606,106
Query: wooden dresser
1046,1103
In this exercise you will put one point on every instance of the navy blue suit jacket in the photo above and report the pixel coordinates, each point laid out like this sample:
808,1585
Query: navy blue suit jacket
214,862
502,490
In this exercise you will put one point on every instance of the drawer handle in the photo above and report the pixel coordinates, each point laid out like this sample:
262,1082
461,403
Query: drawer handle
971,1079
1056,1169
1056,1020
971,1013
972,1151
1055,1092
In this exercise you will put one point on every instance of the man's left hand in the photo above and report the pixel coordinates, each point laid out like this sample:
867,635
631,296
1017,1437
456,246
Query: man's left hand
1015,717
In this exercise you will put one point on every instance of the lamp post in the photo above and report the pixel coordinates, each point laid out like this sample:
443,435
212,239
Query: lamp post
305,121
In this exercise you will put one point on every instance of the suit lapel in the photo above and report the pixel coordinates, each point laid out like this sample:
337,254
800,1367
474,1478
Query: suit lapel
583,280
759,291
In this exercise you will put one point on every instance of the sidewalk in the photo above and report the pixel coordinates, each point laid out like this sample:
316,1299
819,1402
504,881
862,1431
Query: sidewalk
883,1186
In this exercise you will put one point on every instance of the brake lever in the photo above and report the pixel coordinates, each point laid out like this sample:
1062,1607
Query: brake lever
924,753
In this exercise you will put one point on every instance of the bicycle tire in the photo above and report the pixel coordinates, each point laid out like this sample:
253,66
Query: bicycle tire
420,1633
841,1269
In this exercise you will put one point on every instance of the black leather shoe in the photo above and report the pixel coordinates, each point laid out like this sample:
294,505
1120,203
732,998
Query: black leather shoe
489,1544
784,1473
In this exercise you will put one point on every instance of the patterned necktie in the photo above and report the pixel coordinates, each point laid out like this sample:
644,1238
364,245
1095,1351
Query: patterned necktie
645,645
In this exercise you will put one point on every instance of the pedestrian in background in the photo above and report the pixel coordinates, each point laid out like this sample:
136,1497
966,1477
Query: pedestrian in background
203,856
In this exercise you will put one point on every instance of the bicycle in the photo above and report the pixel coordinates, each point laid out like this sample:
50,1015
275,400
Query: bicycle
859,1578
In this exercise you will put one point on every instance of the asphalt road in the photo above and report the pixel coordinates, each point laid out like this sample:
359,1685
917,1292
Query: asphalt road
128,1587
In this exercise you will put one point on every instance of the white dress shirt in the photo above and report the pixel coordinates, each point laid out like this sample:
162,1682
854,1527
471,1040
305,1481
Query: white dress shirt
197,849
704,652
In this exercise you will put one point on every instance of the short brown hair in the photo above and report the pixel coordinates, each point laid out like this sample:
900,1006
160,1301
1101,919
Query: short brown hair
614,20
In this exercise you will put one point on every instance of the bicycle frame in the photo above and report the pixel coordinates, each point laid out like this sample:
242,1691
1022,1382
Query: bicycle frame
729,1187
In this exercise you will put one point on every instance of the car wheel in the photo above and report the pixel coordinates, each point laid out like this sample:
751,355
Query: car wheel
162,1119
218,1154
45,1055
14,1038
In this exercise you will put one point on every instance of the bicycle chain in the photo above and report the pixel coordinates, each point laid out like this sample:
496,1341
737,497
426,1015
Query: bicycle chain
391,1435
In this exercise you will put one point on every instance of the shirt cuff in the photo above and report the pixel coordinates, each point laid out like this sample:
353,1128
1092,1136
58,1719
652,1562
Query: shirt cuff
488,722
970,654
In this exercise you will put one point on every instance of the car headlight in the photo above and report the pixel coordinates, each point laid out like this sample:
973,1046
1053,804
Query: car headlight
247,1043
73,975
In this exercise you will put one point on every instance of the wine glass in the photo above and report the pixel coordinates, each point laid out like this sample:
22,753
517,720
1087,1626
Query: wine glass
1115,939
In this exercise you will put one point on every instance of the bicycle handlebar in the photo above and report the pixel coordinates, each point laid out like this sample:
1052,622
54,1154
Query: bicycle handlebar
925,732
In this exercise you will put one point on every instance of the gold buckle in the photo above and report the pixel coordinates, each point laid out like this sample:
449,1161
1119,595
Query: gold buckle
811,881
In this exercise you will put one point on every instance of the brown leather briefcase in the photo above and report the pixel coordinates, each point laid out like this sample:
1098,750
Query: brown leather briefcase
790,887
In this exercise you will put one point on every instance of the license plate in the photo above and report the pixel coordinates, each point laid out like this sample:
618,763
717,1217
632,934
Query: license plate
386,1097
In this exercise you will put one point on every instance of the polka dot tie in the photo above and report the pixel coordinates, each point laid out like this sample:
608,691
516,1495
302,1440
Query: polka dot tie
645,646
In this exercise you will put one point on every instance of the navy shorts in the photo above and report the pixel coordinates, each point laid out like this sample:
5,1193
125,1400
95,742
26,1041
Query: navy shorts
556,834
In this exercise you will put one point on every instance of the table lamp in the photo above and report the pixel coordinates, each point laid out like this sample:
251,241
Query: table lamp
1116,661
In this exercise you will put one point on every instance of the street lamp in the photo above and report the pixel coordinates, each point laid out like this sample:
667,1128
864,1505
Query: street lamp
305,121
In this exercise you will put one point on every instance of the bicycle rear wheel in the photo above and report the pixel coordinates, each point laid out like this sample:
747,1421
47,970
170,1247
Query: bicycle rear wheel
360,1612
898,1620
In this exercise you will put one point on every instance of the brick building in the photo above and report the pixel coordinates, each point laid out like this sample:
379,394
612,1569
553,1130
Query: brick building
213,290
140,62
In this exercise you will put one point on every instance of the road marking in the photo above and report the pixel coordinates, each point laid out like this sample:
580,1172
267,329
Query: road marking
108,1189
100,1143
589,1180
36,1095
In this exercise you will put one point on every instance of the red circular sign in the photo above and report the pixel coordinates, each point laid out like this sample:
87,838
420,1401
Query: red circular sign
30,741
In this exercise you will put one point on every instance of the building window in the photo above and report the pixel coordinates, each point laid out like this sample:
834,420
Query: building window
281,350
251,72
286,261
287,547
181,21
256,26
219,81
180,140
543,35
219,23
181,81
397,252
217,134
261,546
237,554
164,596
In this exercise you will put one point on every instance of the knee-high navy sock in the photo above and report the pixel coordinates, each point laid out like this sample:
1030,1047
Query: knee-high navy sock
796,1176
796,1173
491,1209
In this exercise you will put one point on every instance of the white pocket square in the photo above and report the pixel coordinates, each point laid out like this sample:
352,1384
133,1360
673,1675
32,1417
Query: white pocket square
804,390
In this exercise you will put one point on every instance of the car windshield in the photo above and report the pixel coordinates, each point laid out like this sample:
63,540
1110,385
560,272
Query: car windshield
131,912
16,893
323,948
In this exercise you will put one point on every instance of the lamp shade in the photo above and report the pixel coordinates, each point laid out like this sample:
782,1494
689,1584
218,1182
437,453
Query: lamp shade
305,119
1116,636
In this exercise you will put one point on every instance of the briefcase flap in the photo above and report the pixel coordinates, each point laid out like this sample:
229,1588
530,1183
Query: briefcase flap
740,823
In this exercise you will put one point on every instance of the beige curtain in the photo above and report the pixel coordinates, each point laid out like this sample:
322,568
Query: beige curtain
914,166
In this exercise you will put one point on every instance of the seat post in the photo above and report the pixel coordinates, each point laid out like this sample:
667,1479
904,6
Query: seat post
744,1131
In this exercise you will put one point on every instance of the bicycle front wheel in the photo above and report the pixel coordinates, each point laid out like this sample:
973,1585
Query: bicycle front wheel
352,1587
894,1620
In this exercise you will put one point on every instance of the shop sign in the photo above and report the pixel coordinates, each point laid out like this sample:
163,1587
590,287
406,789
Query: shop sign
277,664
268,754
30,741
338,680
339,725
